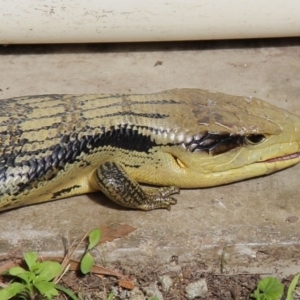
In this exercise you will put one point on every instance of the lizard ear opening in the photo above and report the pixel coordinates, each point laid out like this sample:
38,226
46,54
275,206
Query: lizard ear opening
179,162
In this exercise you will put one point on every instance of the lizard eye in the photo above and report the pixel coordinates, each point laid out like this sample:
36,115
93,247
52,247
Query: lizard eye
253,139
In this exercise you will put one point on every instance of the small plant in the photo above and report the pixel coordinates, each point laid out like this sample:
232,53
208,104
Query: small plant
111,296
39,280
292,287
87,261
36,282
268,288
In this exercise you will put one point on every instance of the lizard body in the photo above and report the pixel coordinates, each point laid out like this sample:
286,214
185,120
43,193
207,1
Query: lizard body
57,146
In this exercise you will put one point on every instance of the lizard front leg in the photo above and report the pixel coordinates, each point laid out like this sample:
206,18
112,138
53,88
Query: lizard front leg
116,184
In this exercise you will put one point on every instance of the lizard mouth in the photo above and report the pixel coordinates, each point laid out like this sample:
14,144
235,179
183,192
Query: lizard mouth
282,158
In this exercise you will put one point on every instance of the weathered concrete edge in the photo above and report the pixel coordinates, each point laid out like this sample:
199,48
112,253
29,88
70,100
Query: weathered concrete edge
256,258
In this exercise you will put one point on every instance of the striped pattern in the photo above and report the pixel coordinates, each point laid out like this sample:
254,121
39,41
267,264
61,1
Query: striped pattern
48,132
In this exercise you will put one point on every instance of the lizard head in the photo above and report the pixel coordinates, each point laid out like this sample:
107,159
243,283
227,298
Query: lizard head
222,139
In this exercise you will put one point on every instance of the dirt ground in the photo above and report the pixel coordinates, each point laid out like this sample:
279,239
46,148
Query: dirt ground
220,286
154,281
149,282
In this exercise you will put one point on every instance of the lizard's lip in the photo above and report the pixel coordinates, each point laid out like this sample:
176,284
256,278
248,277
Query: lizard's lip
281,158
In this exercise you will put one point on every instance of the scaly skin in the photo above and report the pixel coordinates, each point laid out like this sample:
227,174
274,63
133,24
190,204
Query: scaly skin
57,146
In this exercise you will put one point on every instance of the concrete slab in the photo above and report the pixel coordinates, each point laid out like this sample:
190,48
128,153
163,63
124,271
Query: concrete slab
254,223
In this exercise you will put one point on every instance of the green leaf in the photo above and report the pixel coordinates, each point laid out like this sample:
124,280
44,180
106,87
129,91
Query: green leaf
94,238
36,268
46,288
16,270
27,276
4,294
256,295
40,266
271,288
86,263
68,292
31,259
111,296
48,270
292,287
12,290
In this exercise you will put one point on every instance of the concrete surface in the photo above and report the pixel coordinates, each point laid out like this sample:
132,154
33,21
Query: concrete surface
254,224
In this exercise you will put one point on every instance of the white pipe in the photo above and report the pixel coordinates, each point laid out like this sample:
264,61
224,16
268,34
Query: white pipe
77,21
